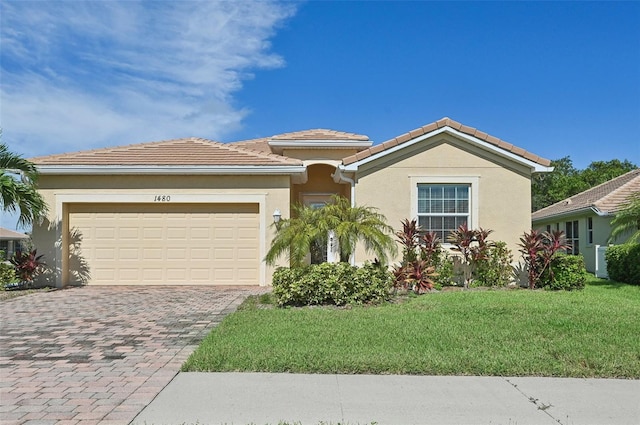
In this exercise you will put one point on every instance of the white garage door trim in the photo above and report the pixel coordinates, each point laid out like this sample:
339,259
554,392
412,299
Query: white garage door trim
155,198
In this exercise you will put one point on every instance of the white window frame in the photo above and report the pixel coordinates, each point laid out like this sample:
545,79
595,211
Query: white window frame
574,240
589,231
474,190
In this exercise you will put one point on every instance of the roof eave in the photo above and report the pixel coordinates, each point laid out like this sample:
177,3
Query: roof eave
566,214
534,166
172,170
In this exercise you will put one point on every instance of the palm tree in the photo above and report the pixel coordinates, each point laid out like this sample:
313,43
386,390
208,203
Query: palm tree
308,226
627,220
296,235
358,224
18,190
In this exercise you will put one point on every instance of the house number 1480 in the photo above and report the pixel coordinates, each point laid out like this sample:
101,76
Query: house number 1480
162,198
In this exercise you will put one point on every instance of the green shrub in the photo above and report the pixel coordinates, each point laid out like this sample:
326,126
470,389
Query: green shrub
566,272
443,264
495,269
7,274
623,263
331,283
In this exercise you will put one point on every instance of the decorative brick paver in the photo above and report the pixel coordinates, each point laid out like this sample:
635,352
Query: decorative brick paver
100,354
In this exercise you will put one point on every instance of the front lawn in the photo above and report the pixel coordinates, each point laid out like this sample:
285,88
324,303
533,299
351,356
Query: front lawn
589,333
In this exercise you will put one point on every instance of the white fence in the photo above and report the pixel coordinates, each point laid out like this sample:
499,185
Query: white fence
601,262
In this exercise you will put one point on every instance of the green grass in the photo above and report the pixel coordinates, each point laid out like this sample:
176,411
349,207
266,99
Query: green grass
590,333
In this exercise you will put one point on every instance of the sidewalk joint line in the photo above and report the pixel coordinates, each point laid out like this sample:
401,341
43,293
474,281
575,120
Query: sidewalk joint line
540,405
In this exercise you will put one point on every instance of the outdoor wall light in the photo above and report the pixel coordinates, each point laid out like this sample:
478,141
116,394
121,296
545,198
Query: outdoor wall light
276,218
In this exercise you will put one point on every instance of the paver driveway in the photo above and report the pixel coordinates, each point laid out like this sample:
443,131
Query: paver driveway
100,354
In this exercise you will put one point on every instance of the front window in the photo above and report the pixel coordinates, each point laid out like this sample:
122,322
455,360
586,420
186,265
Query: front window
590,230
443,207
571,230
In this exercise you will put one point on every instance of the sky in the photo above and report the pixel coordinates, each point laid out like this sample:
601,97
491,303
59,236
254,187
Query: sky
555,78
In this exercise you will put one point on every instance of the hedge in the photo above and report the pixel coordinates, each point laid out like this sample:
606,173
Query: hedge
331,283
569,273
623,263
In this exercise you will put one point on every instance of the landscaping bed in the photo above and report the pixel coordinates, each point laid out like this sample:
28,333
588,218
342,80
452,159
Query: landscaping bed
588,333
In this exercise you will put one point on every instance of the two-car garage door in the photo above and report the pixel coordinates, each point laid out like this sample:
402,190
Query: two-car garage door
162,244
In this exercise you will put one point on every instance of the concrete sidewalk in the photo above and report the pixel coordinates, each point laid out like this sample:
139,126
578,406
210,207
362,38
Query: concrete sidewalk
264,398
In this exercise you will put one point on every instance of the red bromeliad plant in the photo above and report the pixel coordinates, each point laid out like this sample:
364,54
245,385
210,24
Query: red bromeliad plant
474,245
429,247
415,276
415,273
408,238
538,250
419,276
27,265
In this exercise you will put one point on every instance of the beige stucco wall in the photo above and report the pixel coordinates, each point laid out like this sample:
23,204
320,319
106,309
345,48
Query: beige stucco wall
273,190
502,187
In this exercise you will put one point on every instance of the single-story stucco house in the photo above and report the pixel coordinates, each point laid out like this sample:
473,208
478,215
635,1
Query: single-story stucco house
194,211
586,217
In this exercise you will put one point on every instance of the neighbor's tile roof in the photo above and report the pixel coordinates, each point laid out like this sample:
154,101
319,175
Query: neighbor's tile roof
608,197
189,151
7,234
445,122
262,144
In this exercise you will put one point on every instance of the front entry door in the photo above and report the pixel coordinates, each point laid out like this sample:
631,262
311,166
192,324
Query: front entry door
326,249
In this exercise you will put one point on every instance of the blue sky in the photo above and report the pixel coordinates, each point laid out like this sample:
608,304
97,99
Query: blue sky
555,78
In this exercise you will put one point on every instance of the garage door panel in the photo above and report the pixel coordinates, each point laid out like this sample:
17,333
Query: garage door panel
125,254
200,254
168,244
128,233
176,233
224,254
247,253
152,254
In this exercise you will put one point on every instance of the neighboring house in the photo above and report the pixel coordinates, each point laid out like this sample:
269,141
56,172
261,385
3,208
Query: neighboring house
193,211
11,241
586,217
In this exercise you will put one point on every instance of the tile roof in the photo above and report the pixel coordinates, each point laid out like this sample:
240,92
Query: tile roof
262,144
320,134
177,152
608,197
7,234
446,122
259,145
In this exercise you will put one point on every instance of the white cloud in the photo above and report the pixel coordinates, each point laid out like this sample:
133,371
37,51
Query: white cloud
78,75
